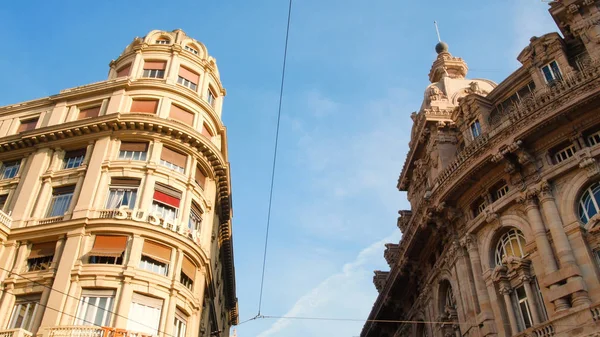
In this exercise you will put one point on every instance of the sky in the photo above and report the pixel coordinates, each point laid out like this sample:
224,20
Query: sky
356,70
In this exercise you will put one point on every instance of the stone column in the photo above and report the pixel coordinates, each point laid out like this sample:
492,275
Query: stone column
506,290
531,297
167,326
42,204
541,241
470,242
122,308
561,241
90,182
36,165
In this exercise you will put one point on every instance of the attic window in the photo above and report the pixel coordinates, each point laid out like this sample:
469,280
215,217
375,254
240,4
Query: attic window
551,72
191,49
475,129
162,40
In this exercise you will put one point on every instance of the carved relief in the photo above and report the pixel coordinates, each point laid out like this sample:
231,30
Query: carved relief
380,279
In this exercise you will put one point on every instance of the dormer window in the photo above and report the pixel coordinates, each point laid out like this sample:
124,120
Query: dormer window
162,40
551,72
191,50
475,129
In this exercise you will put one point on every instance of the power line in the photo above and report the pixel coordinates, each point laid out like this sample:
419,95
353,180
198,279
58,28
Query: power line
78,299
262,279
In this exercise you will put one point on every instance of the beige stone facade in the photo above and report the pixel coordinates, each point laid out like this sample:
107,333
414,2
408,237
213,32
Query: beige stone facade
116,202
503,235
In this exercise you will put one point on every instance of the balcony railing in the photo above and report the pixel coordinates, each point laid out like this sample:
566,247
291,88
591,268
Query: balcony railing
89,331
15,332
6,220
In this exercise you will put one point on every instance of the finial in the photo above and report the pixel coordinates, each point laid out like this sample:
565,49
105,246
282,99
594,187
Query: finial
441,47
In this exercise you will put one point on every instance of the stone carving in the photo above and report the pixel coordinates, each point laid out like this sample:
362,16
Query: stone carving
435,94
391,253
404,219
380,279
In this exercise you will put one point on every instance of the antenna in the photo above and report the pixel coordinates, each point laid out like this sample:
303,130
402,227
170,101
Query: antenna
437,31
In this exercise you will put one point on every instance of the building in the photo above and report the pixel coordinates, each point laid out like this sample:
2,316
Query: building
116,202
502,238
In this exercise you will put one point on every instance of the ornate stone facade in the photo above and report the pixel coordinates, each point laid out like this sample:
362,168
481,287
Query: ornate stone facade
503,235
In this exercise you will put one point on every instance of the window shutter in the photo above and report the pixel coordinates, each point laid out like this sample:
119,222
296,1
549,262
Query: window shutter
166,199
173,157
155,65
75,153
157,251
200,177
143,105
206,131
125,181
139,147
188,268
63,190
27,125
89,112
105,245
189,75
124,71
42,249
181,114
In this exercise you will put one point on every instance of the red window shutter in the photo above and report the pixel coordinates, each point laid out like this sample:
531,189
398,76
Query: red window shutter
189,75
166,199
200,177
124,71
173,157
155,65
181,114
89,112
27,125
146,106
206,131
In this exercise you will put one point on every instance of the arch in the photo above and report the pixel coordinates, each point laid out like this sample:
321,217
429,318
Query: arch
504,224
568,200
511,243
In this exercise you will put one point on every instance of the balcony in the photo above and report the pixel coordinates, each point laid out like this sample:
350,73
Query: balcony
87,331
15,332
6,220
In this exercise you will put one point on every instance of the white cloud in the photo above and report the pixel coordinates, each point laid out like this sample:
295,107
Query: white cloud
342,295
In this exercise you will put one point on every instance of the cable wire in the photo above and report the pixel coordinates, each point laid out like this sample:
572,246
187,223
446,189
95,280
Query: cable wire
262,279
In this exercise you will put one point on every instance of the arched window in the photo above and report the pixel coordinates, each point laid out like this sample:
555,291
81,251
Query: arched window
163,40
512,243
588,203
192,49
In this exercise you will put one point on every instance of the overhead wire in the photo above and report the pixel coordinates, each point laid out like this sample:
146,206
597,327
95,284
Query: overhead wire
285,49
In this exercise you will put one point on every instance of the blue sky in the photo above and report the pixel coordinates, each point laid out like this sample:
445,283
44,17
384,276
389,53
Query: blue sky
356,70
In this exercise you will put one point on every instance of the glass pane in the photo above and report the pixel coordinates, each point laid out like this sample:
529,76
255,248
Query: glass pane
547,74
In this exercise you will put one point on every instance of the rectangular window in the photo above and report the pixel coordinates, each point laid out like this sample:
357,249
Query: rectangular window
180,324
593,139
564,154
501,191
148,106
144,314
124,71
475,129
61,200
24,312
210,98
27,125
154,69
195,219
478,206
206,131
133,151
155,257
95,307
181,115
200,177
191,50
188,78
10,169
166,202
122,192
108,249
551,72
188,273
41,255
88,113
3,198
73,159
173,159
524,308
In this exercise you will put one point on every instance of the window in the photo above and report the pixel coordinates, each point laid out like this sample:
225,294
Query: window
122,192
144,314
188,273
479,206
500,192
10,169
24,312
73,159
188,78
210,98
3,198
27,125
155,257
551,72
206,131
564,153
191,50
41,255
173,159
154,69
475,129
133,151
195,219
61,200
166,202
144,105
180,324
593,139
162,40
512,243
95,307
88,113
588,203
108,249
200,177
181,115
524,308
124,71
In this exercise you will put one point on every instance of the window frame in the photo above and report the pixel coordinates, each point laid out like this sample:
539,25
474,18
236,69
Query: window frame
78,160
126,188
564,153
151,264
16,166
508,238
97,294
50,213
551,72
191,49
589,192
475,128
29,300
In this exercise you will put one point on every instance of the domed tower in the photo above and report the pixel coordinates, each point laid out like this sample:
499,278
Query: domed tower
115,201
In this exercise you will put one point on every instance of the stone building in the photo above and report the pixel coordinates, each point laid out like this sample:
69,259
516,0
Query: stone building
503,235
115,202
